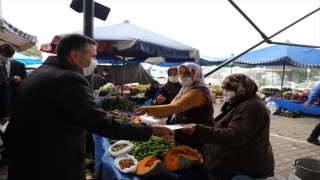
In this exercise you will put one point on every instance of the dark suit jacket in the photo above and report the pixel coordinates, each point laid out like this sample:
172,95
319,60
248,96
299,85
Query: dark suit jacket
16,69
5,107
98,81
55,107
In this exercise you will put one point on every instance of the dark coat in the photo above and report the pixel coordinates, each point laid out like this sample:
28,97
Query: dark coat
5,106
16,69
98,81
55,107
239,142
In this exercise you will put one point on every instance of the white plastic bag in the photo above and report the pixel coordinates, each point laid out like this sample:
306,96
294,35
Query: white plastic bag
125,150
131,169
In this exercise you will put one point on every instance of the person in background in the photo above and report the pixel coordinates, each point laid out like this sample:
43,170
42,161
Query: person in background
313,138
152,90
98,82
5,106
169,91
15,72
193,104
106,77
56,107
238,144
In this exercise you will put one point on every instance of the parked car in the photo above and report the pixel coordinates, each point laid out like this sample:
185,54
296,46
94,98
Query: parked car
286,84
212,81
307,85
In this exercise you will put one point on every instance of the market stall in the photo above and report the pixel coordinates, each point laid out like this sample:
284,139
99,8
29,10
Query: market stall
105,168
297,106
105,158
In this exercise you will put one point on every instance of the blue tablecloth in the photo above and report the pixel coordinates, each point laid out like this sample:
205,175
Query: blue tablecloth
139,101
297,106
105,169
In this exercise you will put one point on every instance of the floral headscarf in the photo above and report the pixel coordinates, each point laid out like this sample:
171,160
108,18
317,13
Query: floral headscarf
241,84
197,79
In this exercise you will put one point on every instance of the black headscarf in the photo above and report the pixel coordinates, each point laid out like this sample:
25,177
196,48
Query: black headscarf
242,85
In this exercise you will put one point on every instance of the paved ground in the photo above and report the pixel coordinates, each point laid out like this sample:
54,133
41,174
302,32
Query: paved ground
288,139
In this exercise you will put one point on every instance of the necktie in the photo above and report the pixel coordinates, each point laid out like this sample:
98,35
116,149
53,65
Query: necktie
5,69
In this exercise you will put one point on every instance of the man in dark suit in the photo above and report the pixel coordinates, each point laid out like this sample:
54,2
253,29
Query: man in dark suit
15,72
5,107
98,82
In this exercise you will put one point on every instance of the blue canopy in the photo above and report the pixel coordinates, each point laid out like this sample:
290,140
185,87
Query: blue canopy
274,57
128,40
26,60
204,61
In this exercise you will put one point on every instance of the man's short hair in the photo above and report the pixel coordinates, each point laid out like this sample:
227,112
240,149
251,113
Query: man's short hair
7,49
73,42
106,70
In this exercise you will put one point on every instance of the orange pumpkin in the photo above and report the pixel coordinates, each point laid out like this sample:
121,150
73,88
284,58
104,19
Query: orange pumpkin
151,166
182,157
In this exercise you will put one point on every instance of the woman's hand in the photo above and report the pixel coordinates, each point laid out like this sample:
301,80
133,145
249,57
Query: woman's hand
189,129
160,99
140,111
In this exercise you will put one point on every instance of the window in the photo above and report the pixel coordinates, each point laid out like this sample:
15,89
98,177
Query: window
277,84
286,84
303,85
313,85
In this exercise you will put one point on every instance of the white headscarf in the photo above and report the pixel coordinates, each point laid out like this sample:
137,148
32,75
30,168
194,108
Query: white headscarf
197,80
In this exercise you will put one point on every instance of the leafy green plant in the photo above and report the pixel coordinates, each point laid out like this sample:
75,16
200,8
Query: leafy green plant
110,104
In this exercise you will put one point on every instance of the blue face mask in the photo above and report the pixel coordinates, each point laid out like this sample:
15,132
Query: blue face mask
154,87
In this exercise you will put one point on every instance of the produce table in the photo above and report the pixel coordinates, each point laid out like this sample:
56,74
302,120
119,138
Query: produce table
297,106
139,101
105,169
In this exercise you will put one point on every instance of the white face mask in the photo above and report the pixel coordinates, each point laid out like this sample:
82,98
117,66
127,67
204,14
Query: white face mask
105,74
88,70
228,95
185,81
174,79
4,59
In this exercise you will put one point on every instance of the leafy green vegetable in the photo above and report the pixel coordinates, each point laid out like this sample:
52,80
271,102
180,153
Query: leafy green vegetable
110,104
155,146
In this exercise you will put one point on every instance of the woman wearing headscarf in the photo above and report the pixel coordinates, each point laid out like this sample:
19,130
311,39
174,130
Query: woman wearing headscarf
169,91
193,104
239,143
152,90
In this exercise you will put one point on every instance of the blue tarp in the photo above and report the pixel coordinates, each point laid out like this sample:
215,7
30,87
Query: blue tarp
26,60
132,41
274,56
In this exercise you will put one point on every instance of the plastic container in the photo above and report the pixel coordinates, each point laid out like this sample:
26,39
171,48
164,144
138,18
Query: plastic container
307,169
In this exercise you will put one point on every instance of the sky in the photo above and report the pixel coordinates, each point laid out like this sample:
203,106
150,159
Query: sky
214,27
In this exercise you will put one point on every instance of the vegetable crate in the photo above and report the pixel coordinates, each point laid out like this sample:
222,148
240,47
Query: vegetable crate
292,114
133,92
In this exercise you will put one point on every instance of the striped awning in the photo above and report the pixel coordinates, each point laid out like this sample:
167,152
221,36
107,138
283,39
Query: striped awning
12,35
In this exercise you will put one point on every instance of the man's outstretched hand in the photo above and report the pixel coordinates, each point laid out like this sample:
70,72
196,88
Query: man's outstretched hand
160,130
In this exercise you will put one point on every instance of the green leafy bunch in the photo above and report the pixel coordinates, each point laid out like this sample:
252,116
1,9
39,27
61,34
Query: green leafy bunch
110,104
155,146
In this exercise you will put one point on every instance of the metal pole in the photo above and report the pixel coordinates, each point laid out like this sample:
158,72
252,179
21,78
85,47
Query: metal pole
0,8
123,68
236,57
284,68
266,39
116,82
88,10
